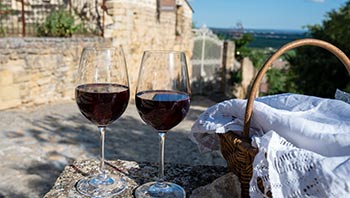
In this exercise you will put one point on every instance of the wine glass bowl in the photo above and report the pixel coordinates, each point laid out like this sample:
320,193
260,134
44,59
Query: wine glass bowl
102,95
102,103
162,99
172,106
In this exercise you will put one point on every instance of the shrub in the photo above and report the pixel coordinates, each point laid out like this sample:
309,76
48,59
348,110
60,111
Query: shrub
58,24
2,32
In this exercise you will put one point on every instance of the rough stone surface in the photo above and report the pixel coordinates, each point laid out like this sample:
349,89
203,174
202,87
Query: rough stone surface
40,70
135,174
225,186
248,72
36,143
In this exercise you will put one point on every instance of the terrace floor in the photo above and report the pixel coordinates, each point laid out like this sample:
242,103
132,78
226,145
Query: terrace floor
37,143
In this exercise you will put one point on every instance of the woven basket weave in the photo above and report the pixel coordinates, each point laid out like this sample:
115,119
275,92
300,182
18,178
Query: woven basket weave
237,150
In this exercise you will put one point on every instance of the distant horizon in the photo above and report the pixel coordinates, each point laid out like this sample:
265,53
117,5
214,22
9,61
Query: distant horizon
268,14
263,38
264,29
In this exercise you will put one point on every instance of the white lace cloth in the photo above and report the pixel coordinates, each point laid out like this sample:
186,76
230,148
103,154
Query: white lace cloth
306,139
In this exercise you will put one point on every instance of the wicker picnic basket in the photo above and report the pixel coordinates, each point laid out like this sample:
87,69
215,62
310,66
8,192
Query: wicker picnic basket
237,150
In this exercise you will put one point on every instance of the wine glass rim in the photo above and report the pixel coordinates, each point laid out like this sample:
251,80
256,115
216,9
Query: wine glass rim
102,48
164,51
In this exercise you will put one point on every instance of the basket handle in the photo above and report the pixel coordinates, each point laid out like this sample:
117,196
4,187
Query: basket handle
294,44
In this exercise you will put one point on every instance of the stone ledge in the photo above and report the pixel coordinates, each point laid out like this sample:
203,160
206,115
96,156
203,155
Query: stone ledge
135,173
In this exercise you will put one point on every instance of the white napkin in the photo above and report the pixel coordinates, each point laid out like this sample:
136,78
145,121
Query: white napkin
319,127
341,95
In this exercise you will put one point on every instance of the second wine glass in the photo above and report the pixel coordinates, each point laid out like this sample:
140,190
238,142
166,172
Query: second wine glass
102,95
162,100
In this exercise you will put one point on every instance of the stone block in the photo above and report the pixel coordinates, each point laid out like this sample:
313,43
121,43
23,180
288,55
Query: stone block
24,91
68,94
21,77
9,92
43,61
9,104
6,77
43,81
20,74
248,72
13,56
225,186
3,59
40,100
116,11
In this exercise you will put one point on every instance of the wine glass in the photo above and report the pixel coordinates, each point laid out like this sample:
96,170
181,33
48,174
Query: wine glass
102,95
162,100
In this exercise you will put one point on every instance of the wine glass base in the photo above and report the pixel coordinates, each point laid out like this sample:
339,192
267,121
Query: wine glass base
160,189
101,185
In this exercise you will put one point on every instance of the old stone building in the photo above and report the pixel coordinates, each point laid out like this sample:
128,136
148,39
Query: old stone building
140,25
40,70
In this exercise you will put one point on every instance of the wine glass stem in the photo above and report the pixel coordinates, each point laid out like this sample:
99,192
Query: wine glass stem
102,130
161,156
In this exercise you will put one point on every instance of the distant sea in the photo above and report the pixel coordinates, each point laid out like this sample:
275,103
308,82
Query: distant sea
263,38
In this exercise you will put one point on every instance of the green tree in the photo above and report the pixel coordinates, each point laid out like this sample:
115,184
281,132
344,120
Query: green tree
242,49
315,71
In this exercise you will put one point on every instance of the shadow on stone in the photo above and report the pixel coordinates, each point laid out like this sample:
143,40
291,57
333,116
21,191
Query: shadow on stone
65,136
10,194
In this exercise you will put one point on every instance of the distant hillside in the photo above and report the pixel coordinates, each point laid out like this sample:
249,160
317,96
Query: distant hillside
263,37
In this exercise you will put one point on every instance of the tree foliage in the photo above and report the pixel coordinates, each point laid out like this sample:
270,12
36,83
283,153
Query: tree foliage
315,71
58,24
4,11
242,49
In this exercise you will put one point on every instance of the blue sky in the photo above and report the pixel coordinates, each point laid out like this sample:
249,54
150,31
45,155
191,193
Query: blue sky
262,14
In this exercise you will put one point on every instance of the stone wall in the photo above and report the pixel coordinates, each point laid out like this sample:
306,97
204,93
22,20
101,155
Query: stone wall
138,25
40,70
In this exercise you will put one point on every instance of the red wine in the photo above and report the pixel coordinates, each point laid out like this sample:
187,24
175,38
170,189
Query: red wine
162,109
102,103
